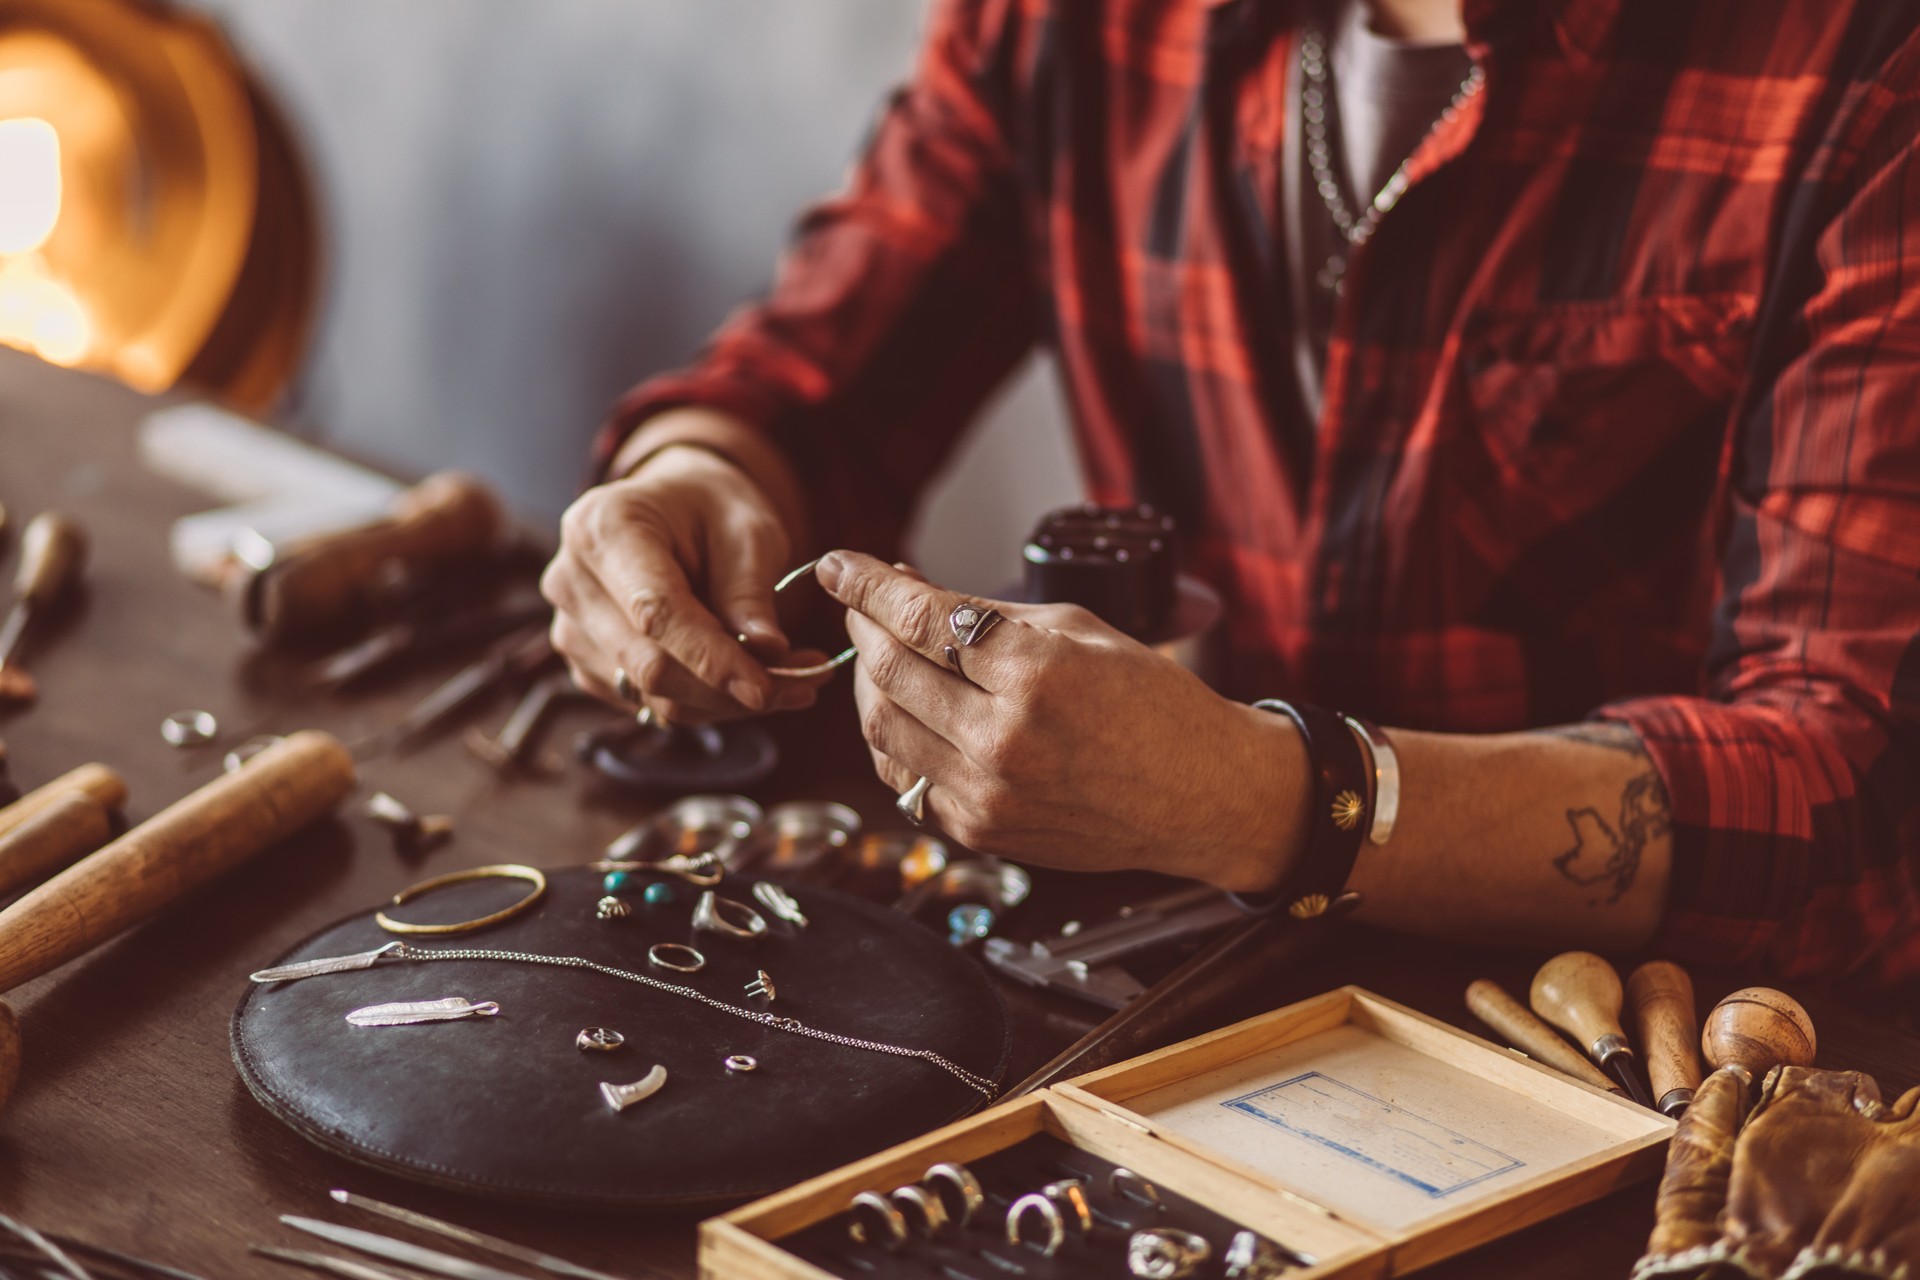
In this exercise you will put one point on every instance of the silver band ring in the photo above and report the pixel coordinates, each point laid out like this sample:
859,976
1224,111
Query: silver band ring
707,915
1072,1192
972,1196
1162,1253
1049,1213
740,1063
872,1205
912,803
693,963
927,1208
189,728
819,668
1125,1184
623,688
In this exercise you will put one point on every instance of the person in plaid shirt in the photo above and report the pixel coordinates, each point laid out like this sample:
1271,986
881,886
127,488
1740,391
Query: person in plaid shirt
1599,487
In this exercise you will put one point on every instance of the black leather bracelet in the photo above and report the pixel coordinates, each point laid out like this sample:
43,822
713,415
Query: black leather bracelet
1338,817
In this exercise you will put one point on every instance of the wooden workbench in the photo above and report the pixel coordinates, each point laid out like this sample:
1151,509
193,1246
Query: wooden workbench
130,1128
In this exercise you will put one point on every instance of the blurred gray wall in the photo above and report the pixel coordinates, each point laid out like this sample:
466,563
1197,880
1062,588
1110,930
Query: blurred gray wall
533,203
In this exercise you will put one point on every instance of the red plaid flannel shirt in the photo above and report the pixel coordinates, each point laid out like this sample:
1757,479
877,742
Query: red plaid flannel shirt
1622,411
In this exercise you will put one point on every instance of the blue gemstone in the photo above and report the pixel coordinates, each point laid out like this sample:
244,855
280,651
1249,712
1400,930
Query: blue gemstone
968,921
614,881
658,894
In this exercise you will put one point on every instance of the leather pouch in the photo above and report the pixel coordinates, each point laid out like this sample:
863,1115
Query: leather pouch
508,1106
1822,1179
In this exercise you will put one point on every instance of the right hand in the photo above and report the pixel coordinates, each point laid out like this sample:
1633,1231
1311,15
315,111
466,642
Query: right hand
658,573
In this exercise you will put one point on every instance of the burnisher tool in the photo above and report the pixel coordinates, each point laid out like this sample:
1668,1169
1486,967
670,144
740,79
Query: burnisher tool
1525,1032
1580,993
52,551
1661,996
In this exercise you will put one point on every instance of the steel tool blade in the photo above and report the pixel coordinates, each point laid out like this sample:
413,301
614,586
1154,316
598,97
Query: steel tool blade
467,1235
440,1264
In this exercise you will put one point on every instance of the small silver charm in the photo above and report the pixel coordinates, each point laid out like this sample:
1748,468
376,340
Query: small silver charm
407,1012
598,1039
621,1096
740,1063
612,908
330,964
780,903
762,985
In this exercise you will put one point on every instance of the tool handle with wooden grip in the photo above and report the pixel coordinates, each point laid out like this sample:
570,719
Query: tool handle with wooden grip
53,549
96,780
323,581
1579,993
74,825
1492,1005
214,829
1757,1029
1661,996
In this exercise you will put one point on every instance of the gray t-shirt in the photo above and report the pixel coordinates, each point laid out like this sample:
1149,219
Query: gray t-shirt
1387,93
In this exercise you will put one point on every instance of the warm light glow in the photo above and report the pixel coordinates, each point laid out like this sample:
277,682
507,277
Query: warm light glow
29,184
42,315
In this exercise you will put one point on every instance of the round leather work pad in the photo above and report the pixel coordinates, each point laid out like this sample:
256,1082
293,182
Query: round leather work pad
508,1106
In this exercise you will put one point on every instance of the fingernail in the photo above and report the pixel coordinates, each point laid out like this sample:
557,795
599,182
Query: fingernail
829,570
747,694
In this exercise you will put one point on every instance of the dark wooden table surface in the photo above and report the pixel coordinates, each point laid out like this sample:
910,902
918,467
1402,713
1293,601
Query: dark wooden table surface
130,1127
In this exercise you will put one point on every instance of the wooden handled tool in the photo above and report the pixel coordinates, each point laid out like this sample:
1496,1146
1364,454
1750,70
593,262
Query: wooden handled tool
1756,1029
1492,1005
52,551
212,830
1580,993
1661,996
96,780
71,827
320,584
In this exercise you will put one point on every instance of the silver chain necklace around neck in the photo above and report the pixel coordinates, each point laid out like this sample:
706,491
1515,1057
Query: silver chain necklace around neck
1316,104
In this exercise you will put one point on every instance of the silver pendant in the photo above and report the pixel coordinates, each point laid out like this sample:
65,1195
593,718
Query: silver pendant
330,964
621,1096
407,1012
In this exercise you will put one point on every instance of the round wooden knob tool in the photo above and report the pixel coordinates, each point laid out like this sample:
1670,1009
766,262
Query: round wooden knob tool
214,829
1756,1029
1492,1005
71,827
1661,997
96,780
1580,993
52,551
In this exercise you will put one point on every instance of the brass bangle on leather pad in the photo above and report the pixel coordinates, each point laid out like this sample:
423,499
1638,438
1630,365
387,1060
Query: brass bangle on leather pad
508,1107
499,871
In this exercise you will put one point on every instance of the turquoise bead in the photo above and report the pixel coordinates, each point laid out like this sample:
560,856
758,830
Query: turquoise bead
967,922
615,881
658,894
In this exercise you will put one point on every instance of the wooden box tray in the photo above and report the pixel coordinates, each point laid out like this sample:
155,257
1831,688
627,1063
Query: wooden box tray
1367,1136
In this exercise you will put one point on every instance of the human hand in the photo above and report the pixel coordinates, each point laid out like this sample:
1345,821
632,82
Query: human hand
657,575
1067,743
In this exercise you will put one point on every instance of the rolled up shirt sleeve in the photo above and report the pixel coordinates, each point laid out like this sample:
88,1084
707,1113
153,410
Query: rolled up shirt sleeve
1795,783
901,302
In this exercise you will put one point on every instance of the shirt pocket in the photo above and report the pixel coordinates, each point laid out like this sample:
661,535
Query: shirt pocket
1578,402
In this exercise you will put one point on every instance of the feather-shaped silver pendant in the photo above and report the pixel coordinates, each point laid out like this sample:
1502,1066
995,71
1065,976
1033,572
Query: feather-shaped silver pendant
328,964
406,1012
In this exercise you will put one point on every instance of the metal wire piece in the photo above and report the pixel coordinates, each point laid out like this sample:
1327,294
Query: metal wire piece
819,668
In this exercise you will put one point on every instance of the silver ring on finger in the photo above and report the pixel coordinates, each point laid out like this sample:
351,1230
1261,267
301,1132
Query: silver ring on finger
970,622
623,687
912,803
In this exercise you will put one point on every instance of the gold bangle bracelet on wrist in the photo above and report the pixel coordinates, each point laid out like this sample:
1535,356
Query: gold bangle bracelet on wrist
503,870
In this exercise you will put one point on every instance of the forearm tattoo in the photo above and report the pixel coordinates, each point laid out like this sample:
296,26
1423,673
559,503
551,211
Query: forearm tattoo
1607,856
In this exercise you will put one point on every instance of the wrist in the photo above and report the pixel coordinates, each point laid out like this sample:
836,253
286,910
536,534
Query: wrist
1273,777
720,435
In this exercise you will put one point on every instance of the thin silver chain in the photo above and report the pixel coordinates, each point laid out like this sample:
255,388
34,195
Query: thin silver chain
407,951
1316,102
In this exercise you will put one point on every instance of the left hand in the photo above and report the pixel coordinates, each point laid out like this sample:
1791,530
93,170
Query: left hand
1067,743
